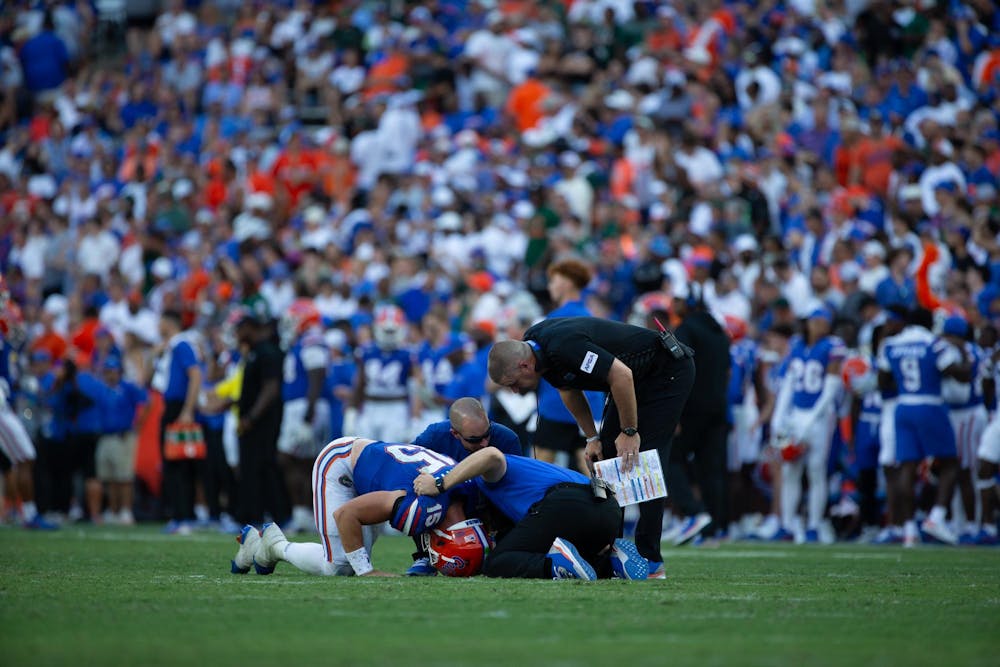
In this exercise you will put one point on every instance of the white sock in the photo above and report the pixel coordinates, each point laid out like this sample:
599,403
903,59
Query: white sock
308,557
201,512
910,528
971,528
938,514
29,510
990,528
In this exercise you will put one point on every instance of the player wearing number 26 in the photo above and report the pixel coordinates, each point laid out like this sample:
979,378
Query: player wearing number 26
915,361
804,414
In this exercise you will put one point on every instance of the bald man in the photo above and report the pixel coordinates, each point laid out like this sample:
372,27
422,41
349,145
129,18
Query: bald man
467,430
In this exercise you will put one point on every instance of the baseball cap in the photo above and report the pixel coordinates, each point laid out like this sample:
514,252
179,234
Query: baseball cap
956,326
822,313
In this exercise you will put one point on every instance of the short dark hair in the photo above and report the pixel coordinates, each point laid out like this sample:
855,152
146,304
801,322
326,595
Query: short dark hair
172,314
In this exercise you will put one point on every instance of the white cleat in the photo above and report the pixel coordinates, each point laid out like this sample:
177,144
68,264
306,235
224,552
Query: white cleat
272,547
939,531
249,541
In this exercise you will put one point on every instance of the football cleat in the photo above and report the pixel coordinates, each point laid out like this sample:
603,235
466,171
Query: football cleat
567,563
177,528
984,538
421,568
782,535
656,570
889,535
692,527
812,536
938,531
249,541
626,563
39,523
967,539
272,544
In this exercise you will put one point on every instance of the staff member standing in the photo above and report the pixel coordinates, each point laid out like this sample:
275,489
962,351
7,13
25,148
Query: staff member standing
648,374
261,409
178,378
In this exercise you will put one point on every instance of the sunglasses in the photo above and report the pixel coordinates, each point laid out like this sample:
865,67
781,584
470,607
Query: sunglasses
476,439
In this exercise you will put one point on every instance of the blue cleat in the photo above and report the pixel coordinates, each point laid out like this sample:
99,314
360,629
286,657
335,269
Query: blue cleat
174,527
39,523
626,563
567,563
986,539
782,535
812,536
692,528
422,568
656,570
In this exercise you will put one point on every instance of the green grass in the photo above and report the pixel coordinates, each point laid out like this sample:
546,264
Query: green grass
95,596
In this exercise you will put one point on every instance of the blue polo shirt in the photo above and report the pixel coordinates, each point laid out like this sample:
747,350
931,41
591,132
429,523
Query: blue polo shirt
118,406
182,357
438,437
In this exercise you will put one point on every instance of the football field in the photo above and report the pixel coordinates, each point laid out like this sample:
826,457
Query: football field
112,596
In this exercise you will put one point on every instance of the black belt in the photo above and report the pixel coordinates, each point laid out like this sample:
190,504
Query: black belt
566,485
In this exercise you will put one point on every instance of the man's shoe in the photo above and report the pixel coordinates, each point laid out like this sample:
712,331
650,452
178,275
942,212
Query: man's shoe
249,541
939,532
692,527
889,535
626,563
656,570
567,563
421,568
272,544
812,536
39,523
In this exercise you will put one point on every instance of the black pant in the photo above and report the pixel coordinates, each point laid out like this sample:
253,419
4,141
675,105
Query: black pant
569,511
178,476
261,486
660,397
219,481
702,439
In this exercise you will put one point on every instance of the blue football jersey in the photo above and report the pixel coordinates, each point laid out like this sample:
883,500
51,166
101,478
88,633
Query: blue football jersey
916,357
384,466
338,374
434,363
743,363
524,484
308,353
386,371
980,372
808,368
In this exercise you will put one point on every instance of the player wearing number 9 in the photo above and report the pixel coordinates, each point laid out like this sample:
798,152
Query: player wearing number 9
804,412
914,362
357,485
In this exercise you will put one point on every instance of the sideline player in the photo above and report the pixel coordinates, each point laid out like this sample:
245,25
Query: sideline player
562,529
807,397
915,361
305,422
386,371
357,484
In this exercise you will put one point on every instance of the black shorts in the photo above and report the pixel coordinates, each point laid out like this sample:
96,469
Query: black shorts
558,436
85,454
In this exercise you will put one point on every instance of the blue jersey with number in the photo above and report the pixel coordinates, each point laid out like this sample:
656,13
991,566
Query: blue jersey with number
524,484
386,371
386,466
435,364
309,352
808,368
742,363
916,357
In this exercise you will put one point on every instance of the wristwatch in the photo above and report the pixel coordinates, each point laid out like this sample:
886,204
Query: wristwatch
439,483
630,431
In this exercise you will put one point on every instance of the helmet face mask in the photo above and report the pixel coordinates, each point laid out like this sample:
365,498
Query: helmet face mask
460,550
389,328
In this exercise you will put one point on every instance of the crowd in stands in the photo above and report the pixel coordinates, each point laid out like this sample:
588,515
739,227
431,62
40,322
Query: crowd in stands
766,159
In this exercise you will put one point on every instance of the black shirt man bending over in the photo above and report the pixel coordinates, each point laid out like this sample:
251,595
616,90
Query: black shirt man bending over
648,375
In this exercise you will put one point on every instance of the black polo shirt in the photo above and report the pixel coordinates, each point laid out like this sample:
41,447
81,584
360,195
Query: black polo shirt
264,362
577,352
